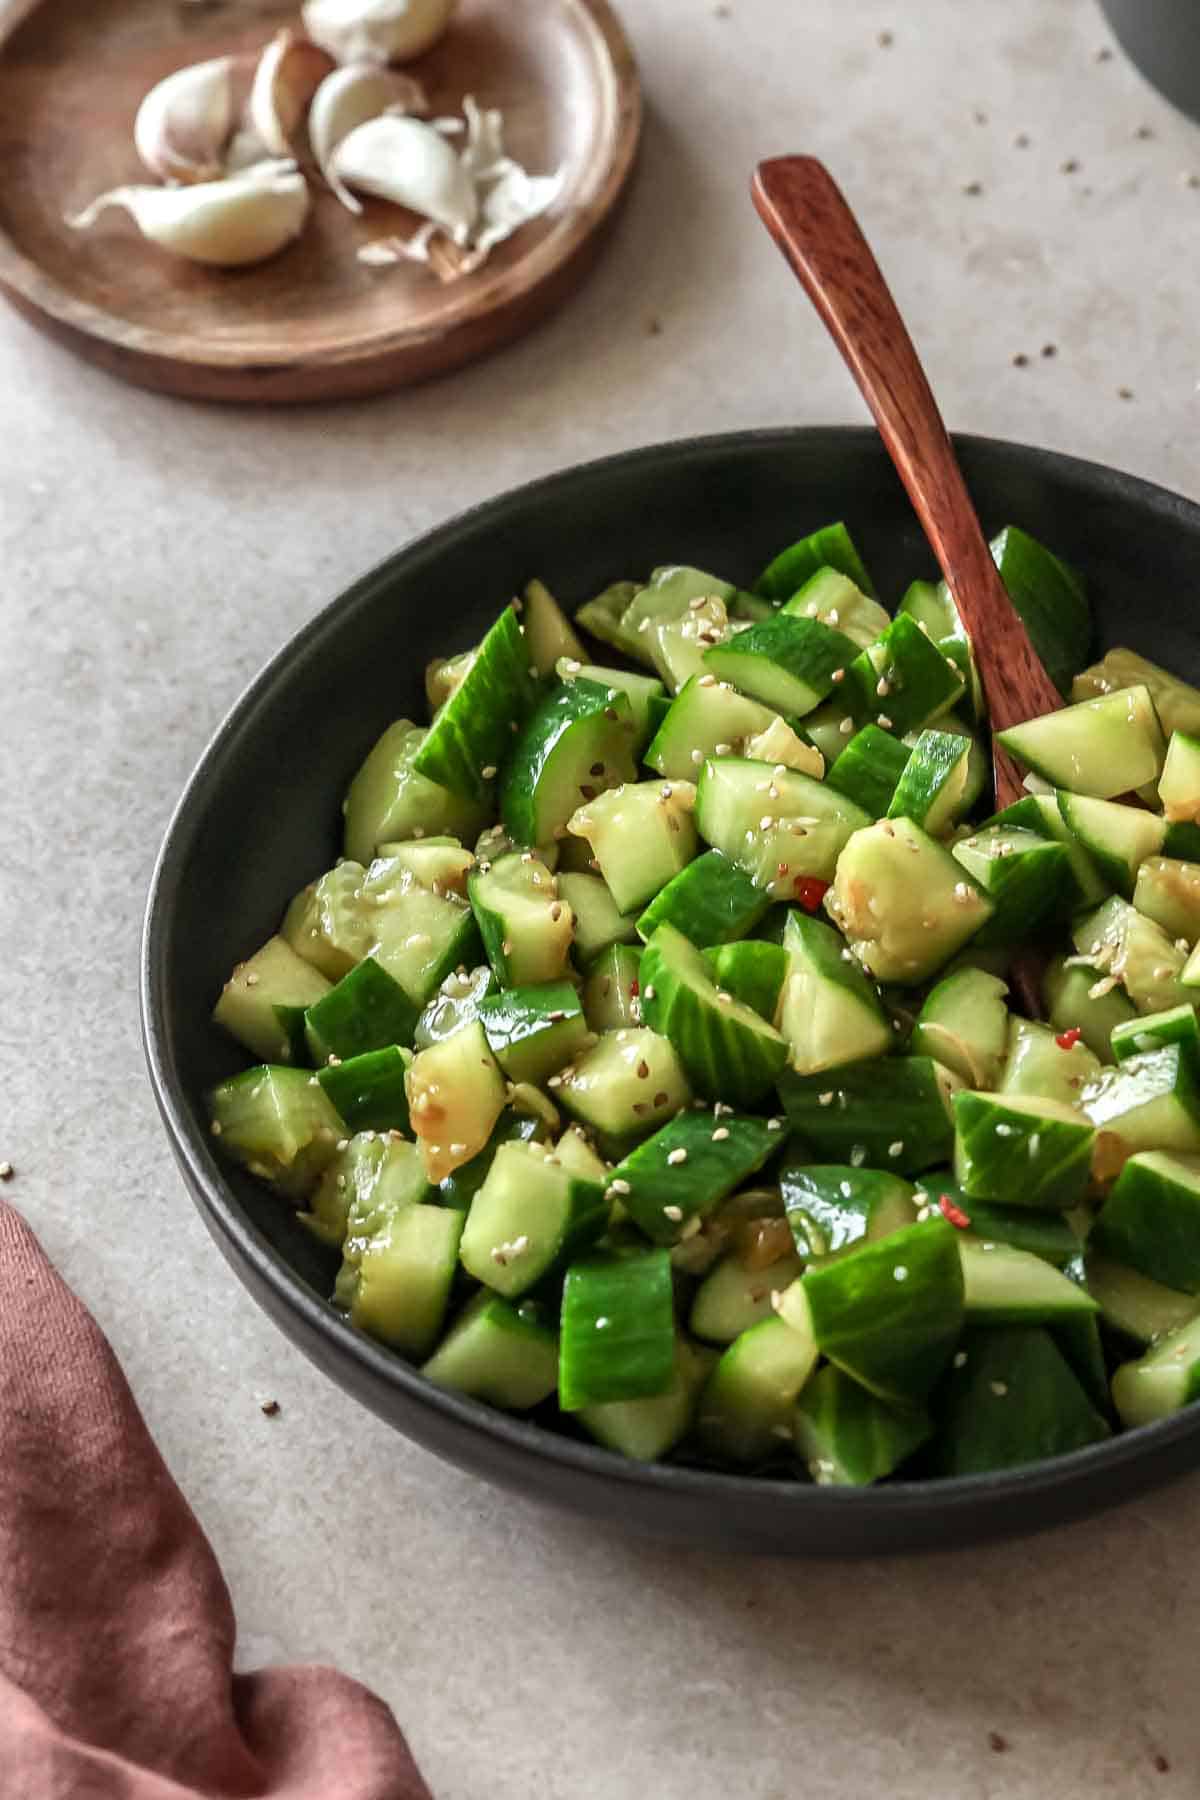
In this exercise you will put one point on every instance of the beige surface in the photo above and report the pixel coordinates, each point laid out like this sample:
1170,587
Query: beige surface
154,554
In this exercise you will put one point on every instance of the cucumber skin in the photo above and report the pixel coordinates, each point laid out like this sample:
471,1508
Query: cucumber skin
890,1100
711,1169
723,1057
1151,1223
711,901
831,547
533,750
752,971
848,1437
1014,1400
368,1091
634,1295
471,732
870,769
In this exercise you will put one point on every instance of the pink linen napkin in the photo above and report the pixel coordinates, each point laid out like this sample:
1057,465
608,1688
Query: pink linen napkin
116,1628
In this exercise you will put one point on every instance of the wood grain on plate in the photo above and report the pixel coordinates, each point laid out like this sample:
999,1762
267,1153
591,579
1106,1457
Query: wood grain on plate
313,323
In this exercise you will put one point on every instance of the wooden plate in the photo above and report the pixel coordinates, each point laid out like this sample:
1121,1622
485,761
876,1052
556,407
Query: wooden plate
314,323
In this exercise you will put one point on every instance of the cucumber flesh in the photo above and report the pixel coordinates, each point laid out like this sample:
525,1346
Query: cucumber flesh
1007,1286
527,929
498,1352
835,599
390,800
1099,748
455,1095
611,990
829,1012
1167,891
1039,1063
278,1124
606,1091
548,631
704,714
903,902
528,1219
274,977
598,922
645,1430
729,1052
534,1031
732,1298
397,1274
781,826
745,1412
846,1437
577,744
641,835
963,1024
833,1208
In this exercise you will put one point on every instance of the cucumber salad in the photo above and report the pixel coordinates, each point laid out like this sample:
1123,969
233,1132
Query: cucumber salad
648,1059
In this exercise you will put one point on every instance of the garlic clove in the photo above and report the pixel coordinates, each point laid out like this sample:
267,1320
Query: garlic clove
512,201
288,74
404,160
347,99
242,219
378,31
183,123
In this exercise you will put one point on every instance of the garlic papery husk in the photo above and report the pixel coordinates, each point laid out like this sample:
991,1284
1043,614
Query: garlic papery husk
406,161
511,201
242,219
378,31
289,72
184,123
347,99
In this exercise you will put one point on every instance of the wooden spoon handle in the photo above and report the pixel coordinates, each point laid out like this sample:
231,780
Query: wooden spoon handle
806,214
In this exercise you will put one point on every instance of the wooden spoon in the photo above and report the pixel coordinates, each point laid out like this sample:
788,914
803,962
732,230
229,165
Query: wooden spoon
805,212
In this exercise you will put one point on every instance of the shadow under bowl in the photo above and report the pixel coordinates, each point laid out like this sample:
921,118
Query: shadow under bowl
260,817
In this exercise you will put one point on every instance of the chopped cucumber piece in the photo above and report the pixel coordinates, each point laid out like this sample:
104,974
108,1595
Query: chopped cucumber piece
471,735
1162,1381
688,1167
929,603
889,1316
647,1429
367,1010
370,1091
669,594
834,599
1003,1285
1013,1399
1051,599
933,786
513,1126
601,618
729,1052
963,1024
325,923
1021,1149
901,681
711,901
893,1113
644,693
1096,747
397,1271
1044,1234
578,743
846,1437
869,770
1079,999
606,1091
497,1352
1150,1102
829,1013
1179,786
782,829
1040,814
534,1031
745,1411
1026,878
903,902
261,998
618,1329
610,993
1040,1061
732,1297
1117,838
1136,952
752,972
1151,1220
831,547
788,663
419,935
278,1124
526,928
679,645
530,1217
641,835
834,1207
455,1096
548,632
373,1175
706,717
1168,891
390,800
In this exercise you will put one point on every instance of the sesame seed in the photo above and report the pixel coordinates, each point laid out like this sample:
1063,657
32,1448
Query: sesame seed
455,1149
838,675
766,822
960,1359
724,749
707,681
885,721
774,1124
660,1099
999,1388
697,757
900,1273
825,1099
601,1322
776,1299
488,773
507,947
846,727
896,1149
677,1156
883,686
572,666
648,993
556,912
6,1169
619,1185
674,1213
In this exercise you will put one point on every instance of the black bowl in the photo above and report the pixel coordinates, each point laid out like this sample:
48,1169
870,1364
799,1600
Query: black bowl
260,815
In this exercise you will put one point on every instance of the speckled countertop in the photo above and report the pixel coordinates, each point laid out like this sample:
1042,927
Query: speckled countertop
1024,191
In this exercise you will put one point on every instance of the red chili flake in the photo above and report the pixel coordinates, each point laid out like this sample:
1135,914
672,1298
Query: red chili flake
634,989
952,1212
1067,1040
810,891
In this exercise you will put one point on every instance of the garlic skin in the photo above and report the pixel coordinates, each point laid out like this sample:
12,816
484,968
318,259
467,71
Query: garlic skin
185,121
378,31
288,74
347,99
226,224
406,161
